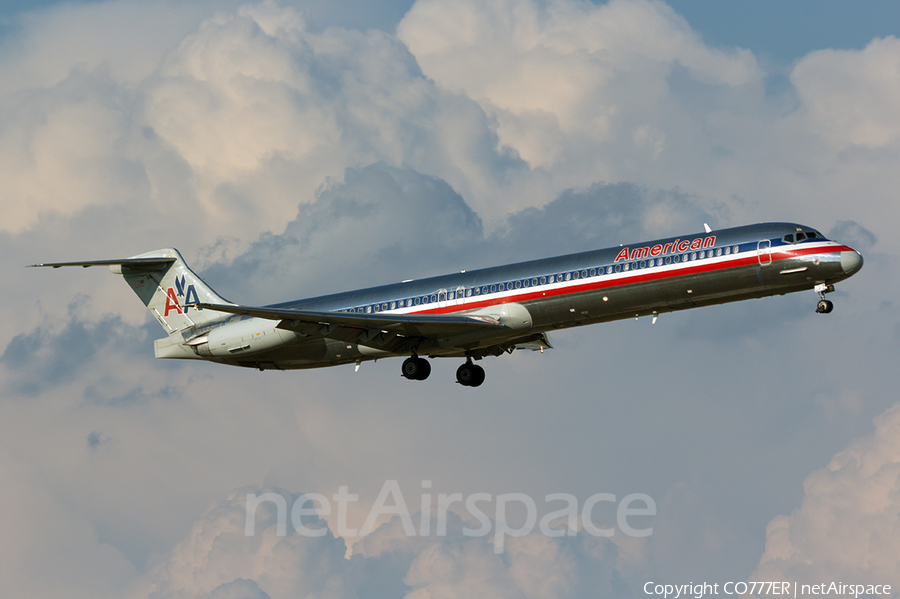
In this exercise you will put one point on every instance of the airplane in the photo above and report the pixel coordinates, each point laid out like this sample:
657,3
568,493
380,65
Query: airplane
484,312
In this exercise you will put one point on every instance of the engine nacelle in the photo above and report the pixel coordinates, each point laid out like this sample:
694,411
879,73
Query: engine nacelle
243,337
512,315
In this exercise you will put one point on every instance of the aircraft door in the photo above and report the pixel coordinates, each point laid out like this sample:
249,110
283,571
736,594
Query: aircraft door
442,298
764,252
460,294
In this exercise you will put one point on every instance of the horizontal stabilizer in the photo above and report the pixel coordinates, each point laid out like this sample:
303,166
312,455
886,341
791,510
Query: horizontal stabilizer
152,263
165,284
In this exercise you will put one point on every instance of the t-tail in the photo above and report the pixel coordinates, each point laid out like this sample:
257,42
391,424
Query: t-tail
168,287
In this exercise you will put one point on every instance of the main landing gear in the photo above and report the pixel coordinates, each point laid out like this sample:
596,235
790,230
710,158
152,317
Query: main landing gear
416,368
824,306
470,375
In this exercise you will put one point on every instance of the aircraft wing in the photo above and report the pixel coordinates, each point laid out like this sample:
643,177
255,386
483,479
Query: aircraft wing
383,331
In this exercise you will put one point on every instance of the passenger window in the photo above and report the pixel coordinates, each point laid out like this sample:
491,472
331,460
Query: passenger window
518,284
736,249
643,264
718,251
626,267
493,288
609,270
593,272
468,293
433,298
583,274
526,282
551,279
393,305
543,280
727,251
418,301
619,267
477,291
424,299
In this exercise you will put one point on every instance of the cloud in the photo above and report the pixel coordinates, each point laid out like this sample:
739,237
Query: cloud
563,78
217,559
851,95
250,105
853,234
845,529
53,354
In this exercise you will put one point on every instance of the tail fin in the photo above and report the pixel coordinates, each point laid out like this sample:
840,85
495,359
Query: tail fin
165,284
168,288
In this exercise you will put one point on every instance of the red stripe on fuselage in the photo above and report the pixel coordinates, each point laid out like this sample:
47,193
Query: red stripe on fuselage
623,280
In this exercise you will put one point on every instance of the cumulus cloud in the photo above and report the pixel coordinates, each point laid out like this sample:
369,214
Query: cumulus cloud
852,95
845,529
54,353
241,120
218,560
563,78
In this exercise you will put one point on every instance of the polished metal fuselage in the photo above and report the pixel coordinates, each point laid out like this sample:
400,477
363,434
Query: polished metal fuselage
540,296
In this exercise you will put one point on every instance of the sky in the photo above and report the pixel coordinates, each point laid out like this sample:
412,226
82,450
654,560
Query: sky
292,149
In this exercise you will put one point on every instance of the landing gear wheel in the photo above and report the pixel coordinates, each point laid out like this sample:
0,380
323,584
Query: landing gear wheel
470,375
416,369
824,306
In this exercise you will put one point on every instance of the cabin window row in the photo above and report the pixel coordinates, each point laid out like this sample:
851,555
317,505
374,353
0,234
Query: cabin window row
460,292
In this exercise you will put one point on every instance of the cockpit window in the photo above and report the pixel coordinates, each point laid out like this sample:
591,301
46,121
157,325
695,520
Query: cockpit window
811,234
800,236
789,238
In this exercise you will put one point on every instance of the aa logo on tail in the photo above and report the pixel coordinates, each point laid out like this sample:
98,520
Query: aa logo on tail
189,294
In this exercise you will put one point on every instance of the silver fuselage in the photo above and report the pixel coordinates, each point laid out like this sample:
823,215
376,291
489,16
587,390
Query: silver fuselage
535,297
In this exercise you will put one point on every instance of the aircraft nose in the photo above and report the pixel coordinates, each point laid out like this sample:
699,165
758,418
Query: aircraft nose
851,261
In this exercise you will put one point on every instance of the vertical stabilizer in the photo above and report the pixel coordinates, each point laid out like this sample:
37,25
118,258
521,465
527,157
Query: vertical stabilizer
167,286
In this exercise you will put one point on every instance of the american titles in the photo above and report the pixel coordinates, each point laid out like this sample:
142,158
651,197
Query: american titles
673,247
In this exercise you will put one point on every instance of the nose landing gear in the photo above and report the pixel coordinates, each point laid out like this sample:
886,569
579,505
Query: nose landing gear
824,306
